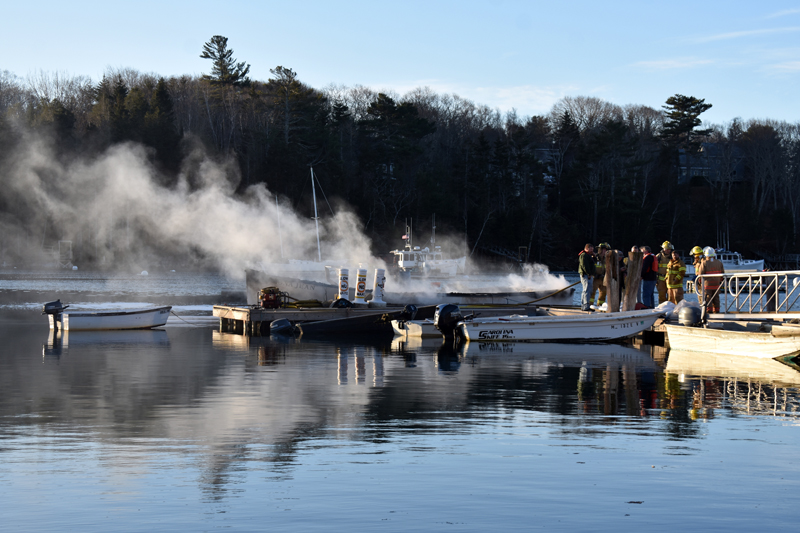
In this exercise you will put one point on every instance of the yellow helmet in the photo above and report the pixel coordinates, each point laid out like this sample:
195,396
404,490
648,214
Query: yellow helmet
604,245
667,245
697,251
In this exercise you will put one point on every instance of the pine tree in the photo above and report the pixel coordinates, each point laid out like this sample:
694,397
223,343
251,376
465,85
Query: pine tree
225,70
682,114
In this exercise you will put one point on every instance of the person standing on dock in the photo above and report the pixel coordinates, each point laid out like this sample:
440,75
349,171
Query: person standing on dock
697,254
586,270
599,274
676,271
649,276
711,282
663,258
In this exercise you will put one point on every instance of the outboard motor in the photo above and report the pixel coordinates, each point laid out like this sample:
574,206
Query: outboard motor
446,318
689,316
282,326
408,312
53,308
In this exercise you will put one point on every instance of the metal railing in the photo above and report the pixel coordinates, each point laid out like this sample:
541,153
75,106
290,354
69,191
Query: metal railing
766,294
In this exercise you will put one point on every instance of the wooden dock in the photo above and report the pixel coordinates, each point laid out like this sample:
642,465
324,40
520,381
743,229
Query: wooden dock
255,321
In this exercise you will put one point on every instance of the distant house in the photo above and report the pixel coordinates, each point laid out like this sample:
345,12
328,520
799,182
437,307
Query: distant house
714,163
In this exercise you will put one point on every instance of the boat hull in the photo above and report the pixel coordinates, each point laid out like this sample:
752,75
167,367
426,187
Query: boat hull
112,320
766,345
305,289
415,328
573,328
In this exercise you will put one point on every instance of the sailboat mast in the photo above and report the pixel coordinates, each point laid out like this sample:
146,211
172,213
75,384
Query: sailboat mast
280,233
316,218
433,231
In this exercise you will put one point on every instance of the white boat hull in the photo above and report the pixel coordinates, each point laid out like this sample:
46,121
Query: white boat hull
109,320
303,289
571,328
415,328
765,345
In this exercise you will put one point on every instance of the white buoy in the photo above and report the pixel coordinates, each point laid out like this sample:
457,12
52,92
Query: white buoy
144,273
361,286
344,284
378,288
74,267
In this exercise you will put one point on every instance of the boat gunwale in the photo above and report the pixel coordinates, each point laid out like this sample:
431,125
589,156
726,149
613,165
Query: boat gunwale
95,314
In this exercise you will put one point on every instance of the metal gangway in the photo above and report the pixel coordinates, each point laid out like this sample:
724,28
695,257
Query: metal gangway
752,295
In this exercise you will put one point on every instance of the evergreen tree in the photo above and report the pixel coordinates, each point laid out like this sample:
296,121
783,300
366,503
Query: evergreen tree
224,70
682,117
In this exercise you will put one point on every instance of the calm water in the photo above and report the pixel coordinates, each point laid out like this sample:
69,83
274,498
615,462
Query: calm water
189,429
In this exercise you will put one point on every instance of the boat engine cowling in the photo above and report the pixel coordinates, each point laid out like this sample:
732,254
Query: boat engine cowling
282,326
689,316
408,312
53,308
446,318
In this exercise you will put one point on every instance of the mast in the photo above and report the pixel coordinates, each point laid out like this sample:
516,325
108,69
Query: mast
316,218
433,232
280,233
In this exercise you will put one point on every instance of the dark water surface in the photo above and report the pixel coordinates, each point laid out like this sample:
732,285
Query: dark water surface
188,429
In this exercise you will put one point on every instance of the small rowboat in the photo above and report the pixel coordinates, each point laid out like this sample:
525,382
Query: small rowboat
749,339
106,320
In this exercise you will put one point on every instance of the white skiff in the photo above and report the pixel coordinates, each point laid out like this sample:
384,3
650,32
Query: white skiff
415,328
104,320
750,339
569,328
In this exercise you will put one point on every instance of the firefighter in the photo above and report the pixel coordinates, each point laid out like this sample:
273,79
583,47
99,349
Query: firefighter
697,254
676,271
600,274
663,258
711,284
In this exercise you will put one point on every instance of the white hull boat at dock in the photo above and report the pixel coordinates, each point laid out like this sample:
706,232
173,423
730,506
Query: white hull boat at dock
111,320
415,328
566,328
750,339
425,293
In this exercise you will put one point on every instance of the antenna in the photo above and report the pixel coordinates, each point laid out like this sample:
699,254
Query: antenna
280,233
316,218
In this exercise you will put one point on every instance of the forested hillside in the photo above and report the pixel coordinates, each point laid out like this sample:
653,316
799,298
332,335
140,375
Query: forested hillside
588,171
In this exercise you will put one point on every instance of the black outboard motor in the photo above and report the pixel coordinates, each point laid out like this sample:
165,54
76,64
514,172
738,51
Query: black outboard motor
53,308
690,316
408,312
281,326
446,318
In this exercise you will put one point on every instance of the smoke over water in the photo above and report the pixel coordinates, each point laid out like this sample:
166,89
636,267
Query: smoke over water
116,212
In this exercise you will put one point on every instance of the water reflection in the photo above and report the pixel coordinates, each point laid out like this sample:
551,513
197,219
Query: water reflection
742,384
229,408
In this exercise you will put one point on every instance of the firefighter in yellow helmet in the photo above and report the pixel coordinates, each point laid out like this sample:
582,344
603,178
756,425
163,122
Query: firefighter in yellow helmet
663,258
600,273
697,254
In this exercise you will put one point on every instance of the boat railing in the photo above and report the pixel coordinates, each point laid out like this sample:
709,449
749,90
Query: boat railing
752,294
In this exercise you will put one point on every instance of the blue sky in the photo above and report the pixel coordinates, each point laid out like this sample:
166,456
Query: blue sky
742,57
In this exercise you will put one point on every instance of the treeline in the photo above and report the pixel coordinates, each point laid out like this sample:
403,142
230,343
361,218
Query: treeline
542,186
